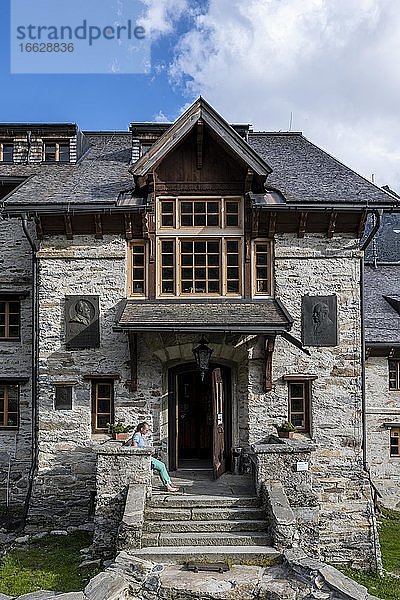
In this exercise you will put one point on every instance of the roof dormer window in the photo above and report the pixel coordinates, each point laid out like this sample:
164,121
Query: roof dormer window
56,152
6,152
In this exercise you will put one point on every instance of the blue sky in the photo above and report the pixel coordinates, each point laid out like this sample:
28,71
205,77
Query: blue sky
328,68
93,101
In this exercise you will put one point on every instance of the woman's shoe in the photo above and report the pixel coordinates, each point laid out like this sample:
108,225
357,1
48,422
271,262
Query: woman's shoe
171,488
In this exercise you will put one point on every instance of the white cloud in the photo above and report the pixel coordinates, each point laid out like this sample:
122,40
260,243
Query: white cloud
161,15
333,63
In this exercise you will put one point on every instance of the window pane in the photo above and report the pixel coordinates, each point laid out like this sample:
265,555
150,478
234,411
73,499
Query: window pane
200,260
232,246
167,273
213,220
63,153
232,273
213,273
8,153
102,421
213,260
167,260
199,207
167,207
232,207
200,273
186,207
103,390
13,398
232,220
213,287
167,220
232,260
50,152
200,246
187,247
200,220
297,405
167,287
63,397
213,247
232,287
297,420
167,247
296,390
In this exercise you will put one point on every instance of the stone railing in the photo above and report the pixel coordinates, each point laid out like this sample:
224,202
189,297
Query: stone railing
119,469
284,482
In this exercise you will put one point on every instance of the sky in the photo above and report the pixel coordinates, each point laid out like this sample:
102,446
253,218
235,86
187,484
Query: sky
328,68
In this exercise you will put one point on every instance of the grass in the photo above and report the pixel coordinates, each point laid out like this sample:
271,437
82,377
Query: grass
388,586
50,563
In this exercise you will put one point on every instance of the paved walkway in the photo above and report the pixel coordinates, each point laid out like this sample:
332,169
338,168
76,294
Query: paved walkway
201,483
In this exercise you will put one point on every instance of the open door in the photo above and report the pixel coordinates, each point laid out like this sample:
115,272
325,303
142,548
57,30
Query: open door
219,461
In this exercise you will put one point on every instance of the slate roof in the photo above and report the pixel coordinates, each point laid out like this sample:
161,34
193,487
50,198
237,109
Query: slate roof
386,244
205,315
98,177
382,321
305,173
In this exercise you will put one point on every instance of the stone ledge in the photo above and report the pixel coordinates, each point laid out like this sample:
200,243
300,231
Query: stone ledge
278,445
116,448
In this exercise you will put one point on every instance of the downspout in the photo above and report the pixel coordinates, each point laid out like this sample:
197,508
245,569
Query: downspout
35,368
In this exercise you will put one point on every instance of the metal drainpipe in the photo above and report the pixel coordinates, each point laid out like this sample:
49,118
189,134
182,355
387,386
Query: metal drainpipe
35,365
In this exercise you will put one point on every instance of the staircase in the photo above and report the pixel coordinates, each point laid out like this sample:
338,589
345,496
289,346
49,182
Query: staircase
215,525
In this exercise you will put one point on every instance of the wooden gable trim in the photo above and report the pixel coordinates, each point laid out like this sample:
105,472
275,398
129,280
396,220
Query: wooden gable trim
200,143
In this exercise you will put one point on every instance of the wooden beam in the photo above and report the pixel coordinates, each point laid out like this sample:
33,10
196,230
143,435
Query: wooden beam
302,224
128,227
248,181
269,351
39,227
361,225
68,227
200,143
332,224
132,383
98,226
255,222
272,224
391,352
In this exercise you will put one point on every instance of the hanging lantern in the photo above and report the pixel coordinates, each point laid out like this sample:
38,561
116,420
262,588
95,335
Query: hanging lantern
202,355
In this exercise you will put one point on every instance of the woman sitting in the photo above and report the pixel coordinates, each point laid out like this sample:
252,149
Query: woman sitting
138,441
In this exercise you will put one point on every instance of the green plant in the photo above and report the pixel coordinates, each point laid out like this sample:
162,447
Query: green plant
285,426
119,427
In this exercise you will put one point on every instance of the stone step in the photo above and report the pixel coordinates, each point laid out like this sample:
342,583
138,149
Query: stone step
203,501
211,553
203,526
244,538
208,513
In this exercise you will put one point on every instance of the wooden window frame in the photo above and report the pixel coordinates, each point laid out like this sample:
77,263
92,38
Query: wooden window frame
392,444
131,293
222,241
7,301
394,375
306,399
95,398
57,145
3,426
222,221
256,243
7,143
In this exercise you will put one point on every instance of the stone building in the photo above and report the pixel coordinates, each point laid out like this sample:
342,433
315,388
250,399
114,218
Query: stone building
382,367
122,253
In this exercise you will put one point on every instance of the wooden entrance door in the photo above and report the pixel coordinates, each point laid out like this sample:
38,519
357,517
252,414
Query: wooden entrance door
200,418
195,423
219,460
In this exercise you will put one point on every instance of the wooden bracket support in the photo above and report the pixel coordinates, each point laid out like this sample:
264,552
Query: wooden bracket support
68,227
132,384
269,351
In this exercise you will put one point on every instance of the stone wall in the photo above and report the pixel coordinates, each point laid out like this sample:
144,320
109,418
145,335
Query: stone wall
383,406
15,361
